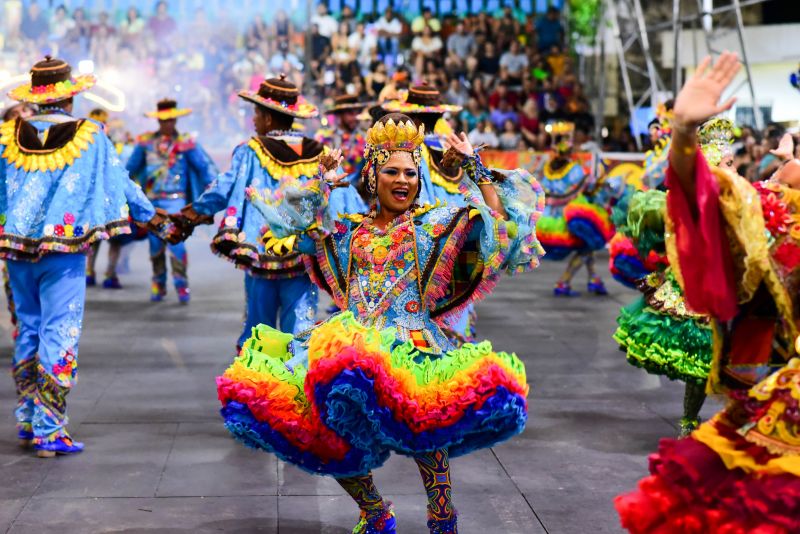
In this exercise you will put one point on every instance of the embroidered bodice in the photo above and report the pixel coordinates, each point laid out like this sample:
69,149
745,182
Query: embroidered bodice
422,269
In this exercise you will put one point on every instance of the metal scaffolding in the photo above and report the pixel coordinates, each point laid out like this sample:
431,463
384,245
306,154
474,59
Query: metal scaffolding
632,33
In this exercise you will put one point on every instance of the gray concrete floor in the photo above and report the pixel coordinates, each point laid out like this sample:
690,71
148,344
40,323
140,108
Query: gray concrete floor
158,459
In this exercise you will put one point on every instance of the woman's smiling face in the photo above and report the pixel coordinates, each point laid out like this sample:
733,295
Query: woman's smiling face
398,183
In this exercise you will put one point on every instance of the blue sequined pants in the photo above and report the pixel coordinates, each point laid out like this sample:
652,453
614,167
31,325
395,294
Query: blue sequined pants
49,297
294,300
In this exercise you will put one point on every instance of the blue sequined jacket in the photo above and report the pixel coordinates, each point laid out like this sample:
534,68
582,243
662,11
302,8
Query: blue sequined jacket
62,187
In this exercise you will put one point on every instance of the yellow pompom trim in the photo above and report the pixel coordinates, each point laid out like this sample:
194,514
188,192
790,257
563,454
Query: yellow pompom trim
32,161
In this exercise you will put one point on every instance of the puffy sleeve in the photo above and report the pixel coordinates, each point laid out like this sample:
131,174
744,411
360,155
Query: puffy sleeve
302,209
217,194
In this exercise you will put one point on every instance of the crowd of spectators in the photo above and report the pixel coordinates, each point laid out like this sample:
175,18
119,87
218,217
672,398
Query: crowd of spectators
752,158
511,71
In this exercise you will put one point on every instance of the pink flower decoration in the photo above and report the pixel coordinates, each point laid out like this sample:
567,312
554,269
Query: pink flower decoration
231,210
69,218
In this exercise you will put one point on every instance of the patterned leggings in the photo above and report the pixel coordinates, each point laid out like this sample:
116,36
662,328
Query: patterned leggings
575,262
434,467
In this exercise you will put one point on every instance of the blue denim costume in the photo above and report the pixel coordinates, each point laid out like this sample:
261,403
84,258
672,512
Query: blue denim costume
276,283
60,191
173,172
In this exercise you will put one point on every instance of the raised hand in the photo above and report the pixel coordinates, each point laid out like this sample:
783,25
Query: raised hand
699,98
460,143
329,165
785,148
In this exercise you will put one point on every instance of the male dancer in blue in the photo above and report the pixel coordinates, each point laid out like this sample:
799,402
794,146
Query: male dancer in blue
276,283
62,187
174,170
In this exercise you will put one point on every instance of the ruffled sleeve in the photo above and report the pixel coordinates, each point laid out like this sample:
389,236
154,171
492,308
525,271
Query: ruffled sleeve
471,246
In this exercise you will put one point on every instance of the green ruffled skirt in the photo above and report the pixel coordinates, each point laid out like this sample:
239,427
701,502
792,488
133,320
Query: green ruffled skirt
679,348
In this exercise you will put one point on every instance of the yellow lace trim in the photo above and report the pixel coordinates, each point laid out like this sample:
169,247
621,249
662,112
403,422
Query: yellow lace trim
734,458
49,160
439,179
550,174
279,169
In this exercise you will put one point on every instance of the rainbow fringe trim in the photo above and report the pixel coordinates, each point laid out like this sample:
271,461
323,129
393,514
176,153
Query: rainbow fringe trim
360,398
589,222
556,238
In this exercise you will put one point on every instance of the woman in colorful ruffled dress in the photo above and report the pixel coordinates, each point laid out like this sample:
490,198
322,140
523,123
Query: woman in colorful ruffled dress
576,221
657,331
627,266
735,249
381,376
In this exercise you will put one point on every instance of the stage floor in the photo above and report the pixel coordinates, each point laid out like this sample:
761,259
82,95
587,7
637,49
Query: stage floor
158,459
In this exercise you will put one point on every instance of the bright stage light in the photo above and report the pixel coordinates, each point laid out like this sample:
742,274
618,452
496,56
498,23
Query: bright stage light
86,66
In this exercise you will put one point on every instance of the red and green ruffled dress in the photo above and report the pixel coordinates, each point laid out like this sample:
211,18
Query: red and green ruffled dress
738,261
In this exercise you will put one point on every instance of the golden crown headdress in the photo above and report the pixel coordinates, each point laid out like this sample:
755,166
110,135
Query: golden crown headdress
387,137
392,136
716,139
559,127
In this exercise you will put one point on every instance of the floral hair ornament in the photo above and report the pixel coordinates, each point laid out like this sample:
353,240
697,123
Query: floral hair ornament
387,137
716,140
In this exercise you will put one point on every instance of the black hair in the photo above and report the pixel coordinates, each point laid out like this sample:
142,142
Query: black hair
277,120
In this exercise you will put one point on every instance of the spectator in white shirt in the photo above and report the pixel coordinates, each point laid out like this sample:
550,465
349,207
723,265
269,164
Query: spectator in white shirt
483,135
389,29
325,22
514,62
426,46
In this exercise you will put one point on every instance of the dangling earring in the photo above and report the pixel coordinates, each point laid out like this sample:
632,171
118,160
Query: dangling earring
372,180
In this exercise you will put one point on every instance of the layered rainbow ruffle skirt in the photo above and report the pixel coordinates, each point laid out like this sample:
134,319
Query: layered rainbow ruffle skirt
555,237
364,395
589,222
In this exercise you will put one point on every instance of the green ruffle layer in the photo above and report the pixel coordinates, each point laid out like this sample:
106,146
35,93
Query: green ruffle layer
679,349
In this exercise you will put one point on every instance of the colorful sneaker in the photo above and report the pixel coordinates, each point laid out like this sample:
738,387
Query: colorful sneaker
25,438
443,526
91,281
596,286
183,295
380,523
563,289
157,292
112,282
62,445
